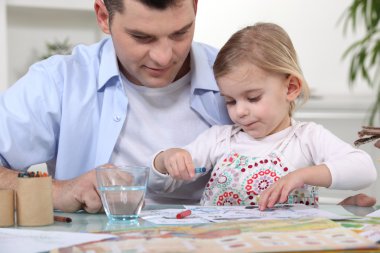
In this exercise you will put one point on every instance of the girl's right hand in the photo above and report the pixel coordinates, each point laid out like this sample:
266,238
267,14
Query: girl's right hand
177,162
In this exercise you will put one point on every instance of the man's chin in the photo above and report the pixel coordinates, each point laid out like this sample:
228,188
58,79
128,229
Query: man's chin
158,83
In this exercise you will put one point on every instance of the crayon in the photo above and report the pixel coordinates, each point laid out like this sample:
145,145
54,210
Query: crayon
200,170
183,214
62,219
33,174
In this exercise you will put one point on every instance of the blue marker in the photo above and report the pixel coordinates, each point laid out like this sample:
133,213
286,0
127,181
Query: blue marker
200,170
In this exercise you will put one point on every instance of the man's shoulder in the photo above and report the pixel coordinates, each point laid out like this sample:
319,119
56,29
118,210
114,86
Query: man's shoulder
206,47
203,49
81,54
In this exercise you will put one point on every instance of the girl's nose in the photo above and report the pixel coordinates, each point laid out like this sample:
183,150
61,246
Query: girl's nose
241,110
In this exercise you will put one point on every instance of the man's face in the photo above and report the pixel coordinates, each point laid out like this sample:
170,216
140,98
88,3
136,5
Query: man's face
153,45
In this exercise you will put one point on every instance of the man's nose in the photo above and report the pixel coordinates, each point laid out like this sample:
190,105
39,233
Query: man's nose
162,52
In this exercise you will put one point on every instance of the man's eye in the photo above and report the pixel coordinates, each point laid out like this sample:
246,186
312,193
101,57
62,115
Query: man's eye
141,38
178,35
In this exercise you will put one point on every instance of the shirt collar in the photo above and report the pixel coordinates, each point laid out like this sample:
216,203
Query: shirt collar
108,68
202,74
201,67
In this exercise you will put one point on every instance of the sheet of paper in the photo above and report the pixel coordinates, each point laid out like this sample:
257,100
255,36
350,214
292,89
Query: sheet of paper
207,214
225,213
368,227
30,241
374,214
168,216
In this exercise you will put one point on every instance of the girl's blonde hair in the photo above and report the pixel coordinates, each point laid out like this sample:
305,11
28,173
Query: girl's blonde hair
267,46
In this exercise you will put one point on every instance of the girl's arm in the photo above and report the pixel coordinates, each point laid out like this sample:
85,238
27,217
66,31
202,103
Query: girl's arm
322,159
174,167
318,175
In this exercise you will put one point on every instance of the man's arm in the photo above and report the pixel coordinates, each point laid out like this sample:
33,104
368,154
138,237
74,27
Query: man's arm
8,178
78,193
68,195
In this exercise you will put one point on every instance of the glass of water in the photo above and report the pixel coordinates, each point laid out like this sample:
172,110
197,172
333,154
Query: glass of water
122,190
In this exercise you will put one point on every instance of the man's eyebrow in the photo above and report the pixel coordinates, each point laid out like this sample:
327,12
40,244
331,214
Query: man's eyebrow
186,27
138,32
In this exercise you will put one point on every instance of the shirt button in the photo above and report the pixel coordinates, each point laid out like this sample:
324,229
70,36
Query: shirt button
117,118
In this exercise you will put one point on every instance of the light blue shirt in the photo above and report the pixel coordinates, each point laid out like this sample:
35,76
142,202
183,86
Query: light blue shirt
69,110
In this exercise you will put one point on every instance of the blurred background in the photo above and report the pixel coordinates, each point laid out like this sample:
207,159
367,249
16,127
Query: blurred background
32,30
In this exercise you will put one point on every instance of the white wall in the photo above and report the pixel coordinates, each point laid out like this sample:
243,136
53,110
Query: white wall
3,47
312,25
29,29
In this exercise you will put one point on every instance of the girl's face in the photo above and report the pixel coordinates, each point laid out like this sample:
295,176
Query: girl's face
257,100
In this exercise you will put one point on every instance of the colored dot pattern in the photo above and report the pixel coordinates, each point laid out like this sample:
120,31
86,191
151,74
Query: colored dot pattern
239,179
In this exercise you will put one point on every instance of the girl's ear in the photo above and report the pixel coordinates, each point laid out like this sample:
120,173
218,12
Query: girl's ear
102,16
294,87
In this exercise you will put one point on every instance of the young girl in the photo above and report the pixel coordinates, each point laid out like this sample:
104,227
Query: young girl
266,157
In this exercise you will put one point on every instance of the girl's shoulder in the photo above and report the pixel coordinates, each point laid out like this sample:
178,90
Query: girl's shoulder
310,127
312,132
222,132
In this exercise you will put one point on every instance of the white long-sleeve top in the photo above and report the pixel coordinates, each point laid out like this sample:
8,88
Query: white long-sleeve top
312,144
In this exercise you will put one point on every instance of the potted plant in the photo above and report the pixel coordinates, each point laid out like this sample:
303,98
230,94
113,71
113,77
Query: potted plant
364,53
58,47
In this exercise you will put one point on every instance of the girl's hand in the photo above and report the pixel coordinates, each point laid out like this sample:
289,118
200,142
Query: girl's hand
317,175
279,191
176,162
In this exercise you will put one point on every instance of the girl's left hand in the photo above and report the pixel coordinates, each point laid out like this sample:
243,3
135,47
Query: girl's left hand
279,191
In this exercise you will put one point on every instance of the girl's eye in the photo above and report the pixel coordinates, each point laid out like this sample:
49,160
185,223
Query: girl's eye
230,102
254,99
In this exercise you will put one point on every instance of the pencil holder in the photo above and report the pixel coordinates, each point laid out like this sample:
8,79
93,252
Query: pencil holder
34,201
7,208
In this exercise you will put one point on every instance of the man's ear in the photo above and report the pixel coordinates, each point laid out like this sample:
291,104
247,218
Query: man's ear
294,87
102,16
195,6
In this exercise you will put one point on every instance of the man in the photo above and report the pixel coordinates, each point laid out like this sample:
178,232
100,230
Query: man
146,88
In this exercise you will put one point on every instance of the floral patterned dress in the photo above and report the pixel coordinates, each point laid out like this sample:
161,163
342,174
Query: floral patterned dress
238,179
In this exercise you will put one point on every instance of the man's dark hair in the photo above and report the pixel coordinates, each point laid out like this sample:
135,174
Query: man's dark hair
114,6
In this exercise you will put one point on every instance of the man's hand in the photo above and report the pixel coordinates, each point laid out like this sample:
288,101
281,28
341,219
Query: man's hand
360,199
78,193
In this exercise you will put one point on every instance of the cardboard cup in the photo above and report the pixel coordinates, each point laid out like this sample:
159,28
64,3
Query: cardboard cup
34,201
7,208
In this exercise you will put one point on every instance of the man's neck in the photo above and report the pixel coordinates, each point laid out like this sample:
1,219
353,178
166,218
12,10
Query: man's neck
184,69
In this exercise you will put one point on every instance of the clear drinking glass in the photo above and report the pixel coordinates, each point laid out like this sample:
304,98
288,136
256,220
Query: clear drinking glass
122,190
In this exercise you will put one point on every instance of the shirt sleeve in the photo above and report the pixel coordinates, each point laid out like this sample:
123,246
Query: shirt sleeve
3,162
29,116
351,168
205,151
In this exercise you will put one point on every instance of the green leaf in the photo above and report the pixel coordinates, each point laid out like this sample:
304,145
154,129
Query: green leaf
364,54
